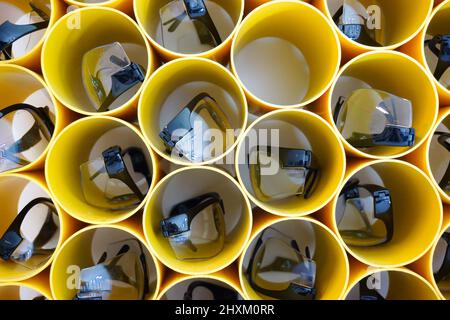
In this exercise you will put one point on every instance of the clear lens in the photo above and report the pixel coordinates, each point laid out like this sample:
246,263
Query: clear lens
206,236
359,226
182,34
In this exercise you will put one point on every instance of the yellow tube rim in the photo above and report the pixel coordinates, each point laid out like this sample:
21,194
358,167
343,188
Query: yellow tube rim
141,110
268,208
390,47
271,221
54,191
356,151
107,3
62,227
58,117
205,268
53,276
46,52
181,278
248,18
404,262
34,286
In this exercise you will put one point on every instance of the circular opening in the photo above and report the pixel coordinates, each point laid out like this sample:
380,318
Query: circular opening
387,213
108,169
80,70
272,176
397,284
218,231
301,65
381,23
175,30
30,228
28,113
201,288
398,100
215,105
441,262
109,263
307,242
17,291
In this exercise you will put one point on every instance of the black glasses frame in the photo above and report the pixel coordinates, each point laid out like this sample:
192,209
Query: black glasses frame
442,53
219,293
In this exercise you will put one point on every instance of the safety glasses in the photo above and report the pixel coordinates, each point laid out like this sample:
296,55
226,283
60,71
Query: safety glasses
368,215
444,141
16,150
352,19
295,173
108,73
213,290
440,47
442,276
10,33
119,180
184,135
368,294
120,274
32,237
187,27
370,118
279,270
196,227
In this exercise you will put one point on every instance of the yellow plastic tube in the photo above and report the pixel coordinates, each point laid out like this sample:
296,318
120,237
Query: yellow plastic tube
417,211
297,128
401,20
398,74
147,15
122,5
303,62
177,83
83,249
20,189
331,278
20,85
82,141
187,183
31,59
83,30
24,291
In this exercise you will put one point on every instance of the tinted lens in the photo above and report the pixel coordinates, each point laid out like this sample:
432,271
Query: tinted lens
206,236
359,226
40,231
23,138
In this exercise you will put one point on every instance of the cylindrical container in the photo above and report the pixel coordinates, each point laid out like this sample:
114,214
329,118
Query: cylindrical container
86,184
26,51
387,214
313,240
169,94
27,111
395,23
387,284
403,89
215,242
302,65
81,71
271,182
38,231
225,17
24,291
122,5
126,268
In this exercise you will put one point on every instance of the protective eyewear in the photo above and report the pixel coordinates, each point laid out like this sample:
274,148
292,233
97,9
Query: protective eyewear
443,273
184,133
187,27
297,173
108,73
36,138
196,227
440,47
32,237
368,215
444,141
117,181
120,274
368,294
11,32
370,118
279,270
217,292
352,19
